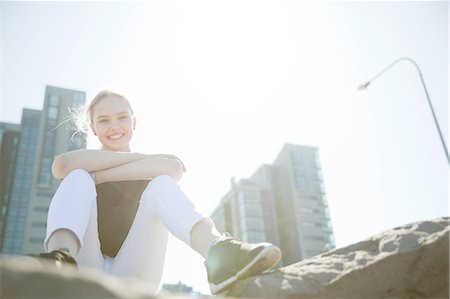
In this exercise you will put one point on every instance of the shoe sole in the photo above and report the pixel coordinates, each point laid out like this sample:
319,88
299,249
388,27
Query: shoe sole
266,259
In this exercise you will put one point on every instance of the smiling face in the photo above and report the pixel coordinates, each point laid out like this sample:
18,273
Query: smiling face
112,122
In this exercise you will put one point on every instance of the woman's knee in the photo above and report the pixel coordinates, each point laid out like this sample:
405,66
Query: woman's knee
80,176
163,181
163,178
161,184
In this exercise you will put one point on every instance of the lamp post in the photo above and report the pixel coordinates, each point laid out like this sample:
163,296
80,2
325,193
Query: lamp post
365,85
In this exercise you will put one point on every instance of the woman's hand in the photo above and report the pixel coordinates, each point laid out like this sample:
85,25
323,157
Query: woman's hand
168,156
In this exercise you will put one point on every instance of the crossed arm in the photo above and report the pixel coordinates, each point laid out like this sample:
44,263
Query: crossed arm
107,166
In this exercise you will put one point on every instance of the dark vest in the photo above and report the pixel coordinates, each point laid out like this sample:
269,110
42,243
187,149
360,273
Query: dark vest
117,204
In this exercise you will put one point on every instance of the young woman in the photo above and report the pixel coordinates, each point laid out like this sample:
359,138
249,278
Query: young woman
114,208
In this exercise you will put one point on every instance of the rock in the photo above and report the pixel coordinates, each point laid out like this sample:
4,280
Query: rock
24,277
411,261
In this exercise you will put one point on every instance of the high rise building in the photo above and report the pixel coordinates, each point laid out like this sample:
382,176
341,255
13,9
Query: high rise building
9,145
283,203
43,135
17,199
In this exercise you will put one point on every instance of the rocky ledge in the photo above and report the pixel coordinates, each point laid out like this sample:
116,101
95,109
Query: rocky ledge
411,261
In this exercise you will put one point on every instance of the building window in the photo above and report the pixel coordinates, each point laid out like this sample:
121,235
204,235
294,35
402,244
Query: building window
53,100
313,238
297,158
311,224
300,182
320,187
36,240
251,196
309,210
254,223
52,112
317,160
39,224
40,209
319,175
255,237
253,210
310,253
299,169
45,172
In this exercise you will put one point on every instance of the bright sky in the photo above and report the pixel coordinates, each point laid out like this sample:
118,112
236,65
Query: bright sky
223,85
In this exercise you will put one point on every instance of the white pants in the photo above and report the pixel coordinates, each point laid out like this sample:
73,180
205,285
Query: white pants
163,207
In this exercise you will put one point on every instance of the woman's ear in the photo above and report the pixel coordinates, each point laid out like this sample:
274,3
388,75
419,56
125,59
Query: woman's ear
93,130
134,122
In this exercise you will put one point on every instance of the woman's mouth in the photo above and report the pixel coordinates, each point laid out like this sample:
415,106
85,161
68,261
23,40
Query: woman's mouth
115,136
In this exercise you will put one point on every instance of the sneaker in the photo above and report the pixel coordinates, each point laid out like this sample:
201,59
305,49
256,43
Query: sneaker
58,258
230,259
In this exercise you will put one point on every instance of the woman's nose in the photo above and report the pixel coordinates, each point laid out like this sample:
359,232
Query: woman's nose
114,124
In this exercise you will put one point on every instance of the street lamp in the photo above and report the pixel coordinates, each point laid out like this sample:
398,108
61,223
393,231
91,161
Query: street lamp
365,85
